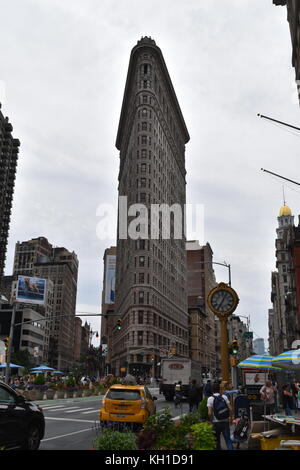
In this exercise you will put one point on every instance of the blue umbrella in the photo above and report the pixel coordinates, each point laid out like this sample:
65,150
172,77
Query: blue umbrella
57,372
3,366
263,362
288,360
41,369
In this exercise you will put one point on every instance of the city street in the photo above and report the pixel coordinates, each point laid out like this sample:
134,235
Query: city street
72,424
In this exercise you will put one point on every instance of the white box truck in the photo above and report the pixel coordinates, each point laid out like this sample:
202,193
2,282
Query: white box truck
175,369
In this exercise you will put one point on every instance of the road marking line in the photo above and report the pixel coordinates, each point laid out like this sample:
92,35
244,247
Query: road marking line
65,435
70,419
87,412
49,407
73,408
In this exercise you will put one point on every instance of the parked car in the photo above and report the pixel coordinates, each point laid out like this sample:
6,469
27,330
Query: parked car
131,404
22,423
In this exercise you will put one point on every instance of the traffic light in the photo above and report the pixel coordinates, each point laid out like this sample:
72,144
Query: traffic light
119,324
6,342
230,348
235,346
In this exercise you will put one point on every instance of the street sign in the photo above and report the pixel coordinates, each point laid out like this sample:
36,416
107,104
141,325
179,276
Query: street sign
248,335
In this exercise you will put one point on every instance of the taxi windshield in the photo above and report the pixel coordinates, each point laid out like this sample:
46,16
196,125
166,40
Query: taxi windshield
123,394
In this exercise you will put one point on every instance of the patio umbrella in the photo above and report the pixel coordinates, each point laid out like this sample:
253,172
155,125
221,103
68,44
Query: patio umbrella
3,366
289,360
258,362
263,362
41,369
57,372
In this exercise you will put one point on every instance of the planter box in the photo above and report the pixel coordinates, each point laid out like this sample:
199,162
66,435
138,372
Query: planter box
34,395
78,393
59,394
50,394
69,394
87,393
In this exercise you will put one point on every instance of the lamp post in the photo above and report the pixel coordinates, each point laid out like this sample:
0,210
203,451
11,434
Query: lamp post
227,266
91,334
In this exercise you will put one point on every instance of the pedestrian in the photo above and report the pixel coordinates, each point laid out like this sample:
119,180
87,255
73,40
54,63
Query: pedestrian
195,395
267,393
208,389
178,393
287,400
220,414
295,390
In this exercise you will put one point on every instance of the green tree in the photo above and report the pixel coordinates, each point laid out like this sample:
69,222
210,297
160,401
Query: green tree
23,358
92,361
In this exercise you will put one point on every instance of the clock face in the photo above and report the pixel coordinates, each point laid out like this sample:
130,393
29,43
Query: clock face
222,301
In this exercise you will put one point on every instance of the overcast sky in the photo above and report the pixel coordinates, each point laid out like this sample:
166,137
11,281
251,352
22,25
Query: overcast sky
62,76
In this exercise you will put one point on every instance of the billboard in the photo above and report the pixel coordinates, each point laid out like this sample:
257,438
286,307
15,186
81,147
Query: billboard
31,290
110,279
255,378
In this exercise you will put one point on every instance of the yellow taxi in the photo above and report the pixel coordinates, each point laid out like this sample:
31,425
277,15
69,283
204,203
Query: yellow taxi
127,404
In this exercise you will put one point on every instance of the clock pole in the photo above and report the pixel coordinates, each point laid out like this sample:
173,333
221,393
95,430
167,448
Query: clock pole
223,300
224,352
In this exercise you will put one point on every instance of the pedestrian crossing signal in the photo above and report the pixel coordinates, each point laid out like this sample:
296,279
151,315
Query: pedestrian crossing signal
119,324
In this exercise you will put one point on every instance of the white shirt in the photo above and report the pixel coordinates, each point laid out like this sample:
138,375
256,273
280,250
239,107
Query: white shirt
210,404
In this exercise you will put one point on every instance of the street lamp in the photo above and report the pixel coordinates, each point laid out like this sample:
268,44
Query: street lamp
92,333
227,266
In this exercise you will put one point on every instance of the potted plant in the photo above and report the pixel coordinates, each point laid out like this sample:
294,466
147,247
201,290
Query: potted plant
50,392
203,436
114,440
60,390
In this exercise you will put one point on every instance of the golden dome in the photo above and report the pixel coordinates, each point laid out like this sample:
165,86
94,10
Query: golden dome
285,210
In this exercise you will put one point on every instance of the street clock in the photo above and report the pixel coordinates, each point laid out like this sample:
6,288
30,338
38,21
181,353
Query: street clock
223,300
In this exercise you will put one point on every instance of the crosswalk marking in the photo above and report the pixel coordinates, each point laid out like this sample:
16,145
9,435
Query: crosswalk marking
87,412
72,410
50,407
64,408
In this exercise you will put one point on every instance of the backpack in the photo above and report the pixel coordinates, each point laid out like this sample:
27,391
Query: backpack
221,410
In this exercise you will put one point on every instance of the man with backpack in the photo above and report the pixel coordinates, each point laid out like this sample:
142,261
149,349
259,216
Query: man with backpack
219,412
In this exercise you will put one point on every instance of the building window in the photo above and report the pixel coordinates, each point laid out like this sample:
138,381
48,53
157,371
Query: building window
144,126
141,297
141,278
140,317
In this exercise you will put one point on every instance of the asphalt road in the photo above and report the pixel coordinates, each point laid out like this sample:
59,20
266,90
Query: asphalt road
73,424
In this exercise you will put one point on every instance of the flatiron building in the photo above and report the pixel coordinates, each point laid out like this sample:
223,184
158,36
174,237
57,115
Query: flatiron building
151,270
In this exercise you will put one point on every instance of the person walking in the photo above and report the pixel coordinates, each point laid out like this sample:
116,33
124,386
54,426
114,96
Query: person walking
267,393
287,398
295,390
195,396
220,414
178,394
208,389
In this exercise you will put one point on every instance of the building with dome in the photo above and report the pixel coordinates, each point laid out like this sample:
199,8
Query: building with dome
284,317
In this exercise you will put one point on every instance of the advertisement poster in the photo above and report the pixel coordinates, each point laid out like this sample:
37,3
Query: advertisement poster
255,378
31,290
110,279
